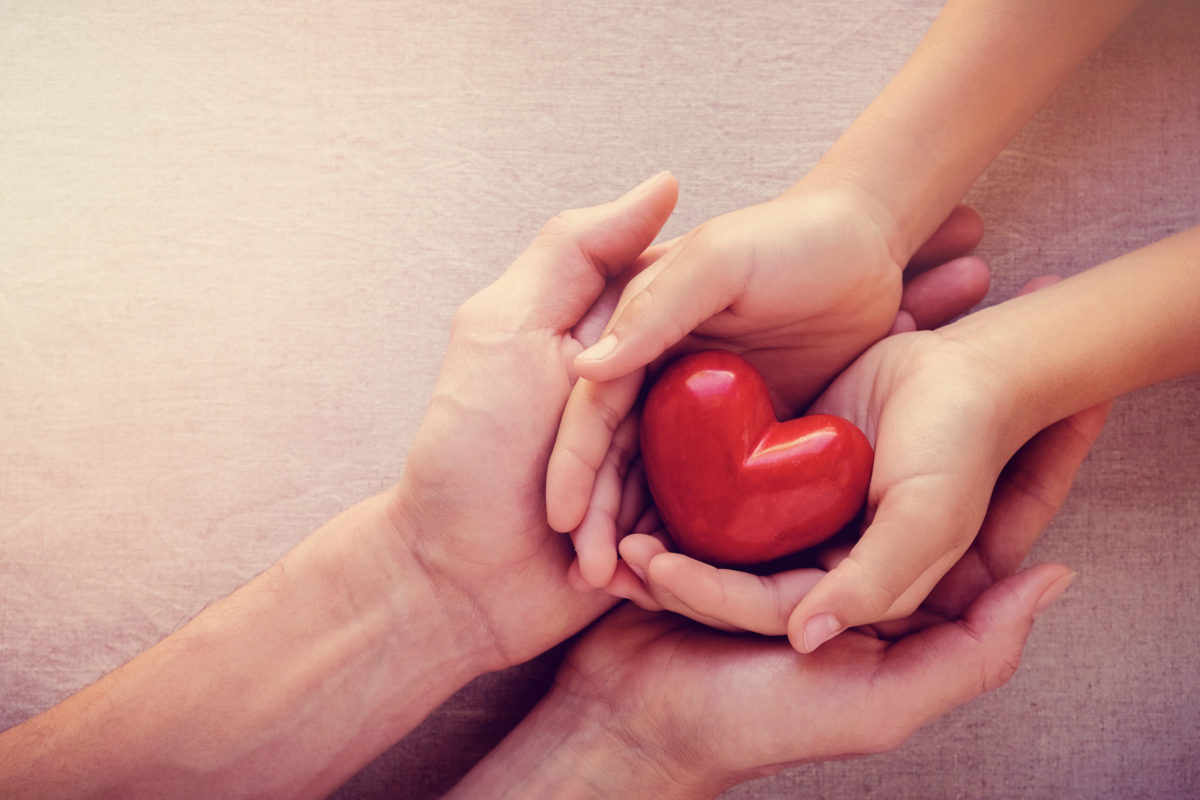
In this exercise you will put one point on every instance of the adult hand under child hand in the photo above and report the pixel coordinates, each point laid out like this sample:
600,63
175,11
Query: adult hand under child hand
799,286
652,703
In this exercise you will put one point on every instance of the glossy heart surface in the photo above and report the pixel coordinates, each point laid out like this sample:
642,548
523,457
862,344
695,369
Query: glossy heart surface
732,484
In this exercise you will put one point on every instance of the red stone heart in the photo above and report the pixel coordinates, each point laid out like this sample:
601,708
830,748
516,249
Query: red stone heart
733,484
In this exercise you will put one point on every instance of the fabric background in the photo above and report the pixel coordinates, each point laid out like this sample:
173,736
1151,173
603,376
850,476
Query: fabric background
232,237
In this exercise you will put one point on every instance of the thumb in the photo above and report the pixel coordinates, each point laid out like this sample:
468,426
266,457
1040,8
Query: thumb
931,672
568,264
694,280
910,543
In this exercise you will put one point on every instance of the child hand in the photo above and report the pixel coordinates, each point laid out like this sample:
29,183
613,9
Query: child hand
937,415
799,286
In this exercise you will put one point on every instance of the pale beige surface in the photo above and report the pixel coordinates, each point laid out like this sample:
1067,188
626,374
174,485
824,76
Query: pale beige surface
232,236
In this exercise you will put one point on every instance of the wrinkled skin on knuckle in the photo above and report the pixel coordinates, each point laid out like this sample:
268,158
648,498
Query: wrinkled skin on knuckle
475,316
1000,672
643,312
563,234
565,224
873,595
721,241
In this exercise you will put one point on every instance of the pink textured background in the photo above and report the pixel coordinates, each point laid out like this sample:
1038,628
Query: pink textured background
232,236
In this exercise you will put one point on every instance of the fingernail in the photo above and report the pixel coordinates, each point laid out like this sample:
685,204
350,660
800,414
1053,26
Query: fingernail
641,574
600,350
819,630
1052,593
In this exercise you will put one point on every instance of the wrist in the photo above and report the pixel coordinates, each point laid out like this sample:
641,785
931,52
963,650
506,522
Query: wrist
570,746
1031,401
411,552
843,187
852,182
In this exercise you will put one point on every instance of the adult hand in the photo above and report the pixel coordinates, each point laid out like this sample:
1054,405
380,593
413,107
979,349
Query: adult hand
470,506
799,286
655,703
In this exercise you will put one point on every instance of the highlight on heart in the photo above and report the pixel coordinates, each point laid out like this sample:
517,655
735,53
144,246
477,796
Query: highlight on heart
733,484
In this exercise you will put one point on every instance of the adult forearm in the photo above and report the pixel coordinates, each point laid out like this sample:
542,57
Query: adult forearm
284,688
568,747
1125,324
984,68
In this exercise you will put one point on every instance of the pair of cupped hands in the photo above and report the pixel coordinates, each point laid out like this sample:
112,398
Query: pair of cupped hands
532,434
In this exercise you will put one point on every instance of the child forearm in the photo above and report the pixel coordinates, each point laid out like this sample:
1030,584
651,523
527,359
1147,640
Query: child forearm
1127,323
982,71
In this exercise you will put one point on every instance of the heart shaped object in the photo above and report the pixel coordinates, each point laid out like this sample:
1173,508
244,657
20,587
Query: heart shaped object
733,484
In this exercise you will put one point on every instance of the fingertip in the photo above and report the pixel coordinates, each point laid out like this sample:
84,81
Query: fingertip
663,570
1054,590
564,511
637,550
601,350
960,233
649,184
1014,602
975,274
807,634
939,294
970,222
575,579
904,323
628,585
597,562
618,355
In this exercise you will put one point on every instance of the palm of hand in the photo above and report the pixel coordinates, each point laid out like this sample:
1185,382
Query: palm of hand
934,409
731,706
726,705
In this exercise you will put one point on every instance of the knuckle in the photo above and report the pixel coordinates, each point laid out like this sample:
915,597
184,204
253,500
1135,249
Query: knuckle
875,597
999,671
710,238
1032,486
878,600
566,225
584,456
470,316
609,416
644,312
478,318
